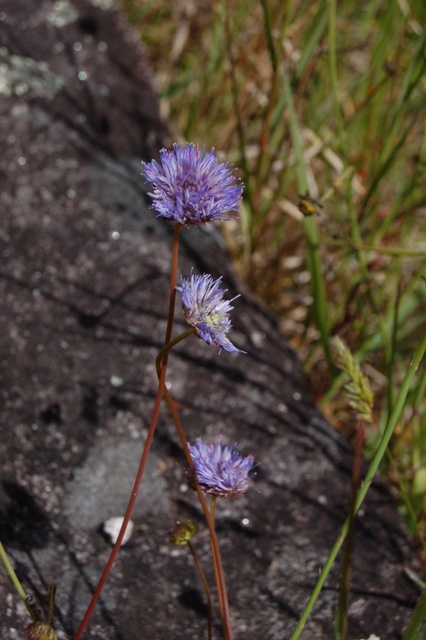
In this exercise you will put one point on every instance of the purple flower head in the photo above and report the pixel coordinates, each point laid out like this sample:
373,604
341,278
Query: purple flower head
192,187
206,310
221,470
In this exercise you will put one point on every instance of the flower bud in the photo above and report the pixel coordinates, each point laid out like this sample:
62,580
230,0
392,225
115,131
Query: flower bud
182,533
40,631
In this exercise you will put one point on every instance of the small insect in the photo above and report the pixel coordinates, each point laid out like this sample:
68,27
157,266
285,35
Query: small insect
308,205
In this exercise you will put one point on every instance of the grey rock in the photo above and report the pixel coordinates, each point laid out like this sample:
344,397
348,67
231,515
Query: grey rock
84,286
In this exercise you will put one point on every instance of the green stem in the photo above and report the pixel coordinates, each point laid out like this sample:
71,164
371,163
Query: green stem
15,581
237,111
52,594
416,629
381,450
332,60
386,251
159,360
311,232
263,161
269,36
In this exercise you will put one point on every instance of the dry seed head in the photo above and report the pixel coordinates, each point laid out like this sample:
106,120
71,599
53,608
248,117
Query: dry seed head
357,388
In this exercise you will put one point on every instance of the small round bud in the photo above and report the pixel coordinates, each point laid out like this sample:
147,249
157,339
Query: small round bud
182,533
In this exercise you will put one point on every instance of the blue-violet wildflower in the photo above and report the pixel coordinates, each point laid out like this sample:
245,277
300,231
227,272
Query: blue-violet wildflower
206,310
192,187
220,469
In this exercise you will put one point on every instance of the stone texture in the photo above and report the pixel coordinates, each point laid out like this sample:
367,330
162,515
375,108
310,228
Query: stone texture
84,285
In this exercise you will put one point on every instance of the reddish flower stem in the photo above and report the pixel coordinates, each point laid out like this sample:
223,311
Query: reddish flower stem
172,297
342,611
130,506
148,442
206,589
217,559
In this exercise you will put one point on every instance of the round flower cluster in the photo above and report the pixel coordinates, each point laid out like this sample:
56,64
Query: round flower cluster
206,310
220,469
192,187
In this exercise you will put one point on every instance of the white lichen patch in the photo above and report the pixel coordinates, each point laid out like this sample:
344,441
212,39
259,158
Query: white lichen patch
106,5
62,13
18,75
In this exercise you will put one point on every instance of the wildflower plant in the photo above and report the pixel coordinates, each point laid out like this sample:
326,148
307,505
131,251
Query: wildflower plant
191,187
372,215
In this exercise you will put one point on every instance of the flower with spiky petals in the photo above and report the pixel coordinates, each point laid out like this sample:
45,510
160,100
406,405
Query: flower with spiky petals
206,310
221,470
192,187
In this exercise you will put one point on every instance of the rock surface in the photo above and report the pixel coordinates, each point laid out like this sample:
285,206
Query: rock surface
84,286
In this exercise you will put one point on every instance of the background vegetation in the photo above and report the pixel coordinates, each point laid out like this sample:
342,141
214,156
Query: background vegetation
322,105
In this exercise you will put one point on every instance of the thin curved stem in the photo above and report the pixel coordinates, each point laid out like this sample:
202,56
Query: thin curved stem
206,589
172,296
52,595
164,351
213,507
217,559
15,581
130,506
148,441
341,620
381,450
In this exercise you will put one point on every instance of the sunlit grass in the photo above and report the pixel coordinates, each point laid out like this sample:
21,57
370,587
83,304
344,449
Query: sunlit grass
326,99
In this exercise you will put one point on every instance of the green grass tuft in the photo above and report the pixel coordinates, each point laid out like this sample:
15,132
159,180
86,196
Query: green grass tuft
319,101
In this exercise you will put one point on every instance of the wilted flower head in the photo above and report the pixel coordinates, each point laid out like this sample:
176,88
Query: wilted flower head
221,470
40,631
206,310
192,187
182,533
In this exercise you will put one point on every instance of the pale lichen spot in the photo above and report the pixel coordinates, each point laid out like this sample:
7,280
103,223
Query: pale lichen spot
18,75
62,13
106,5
